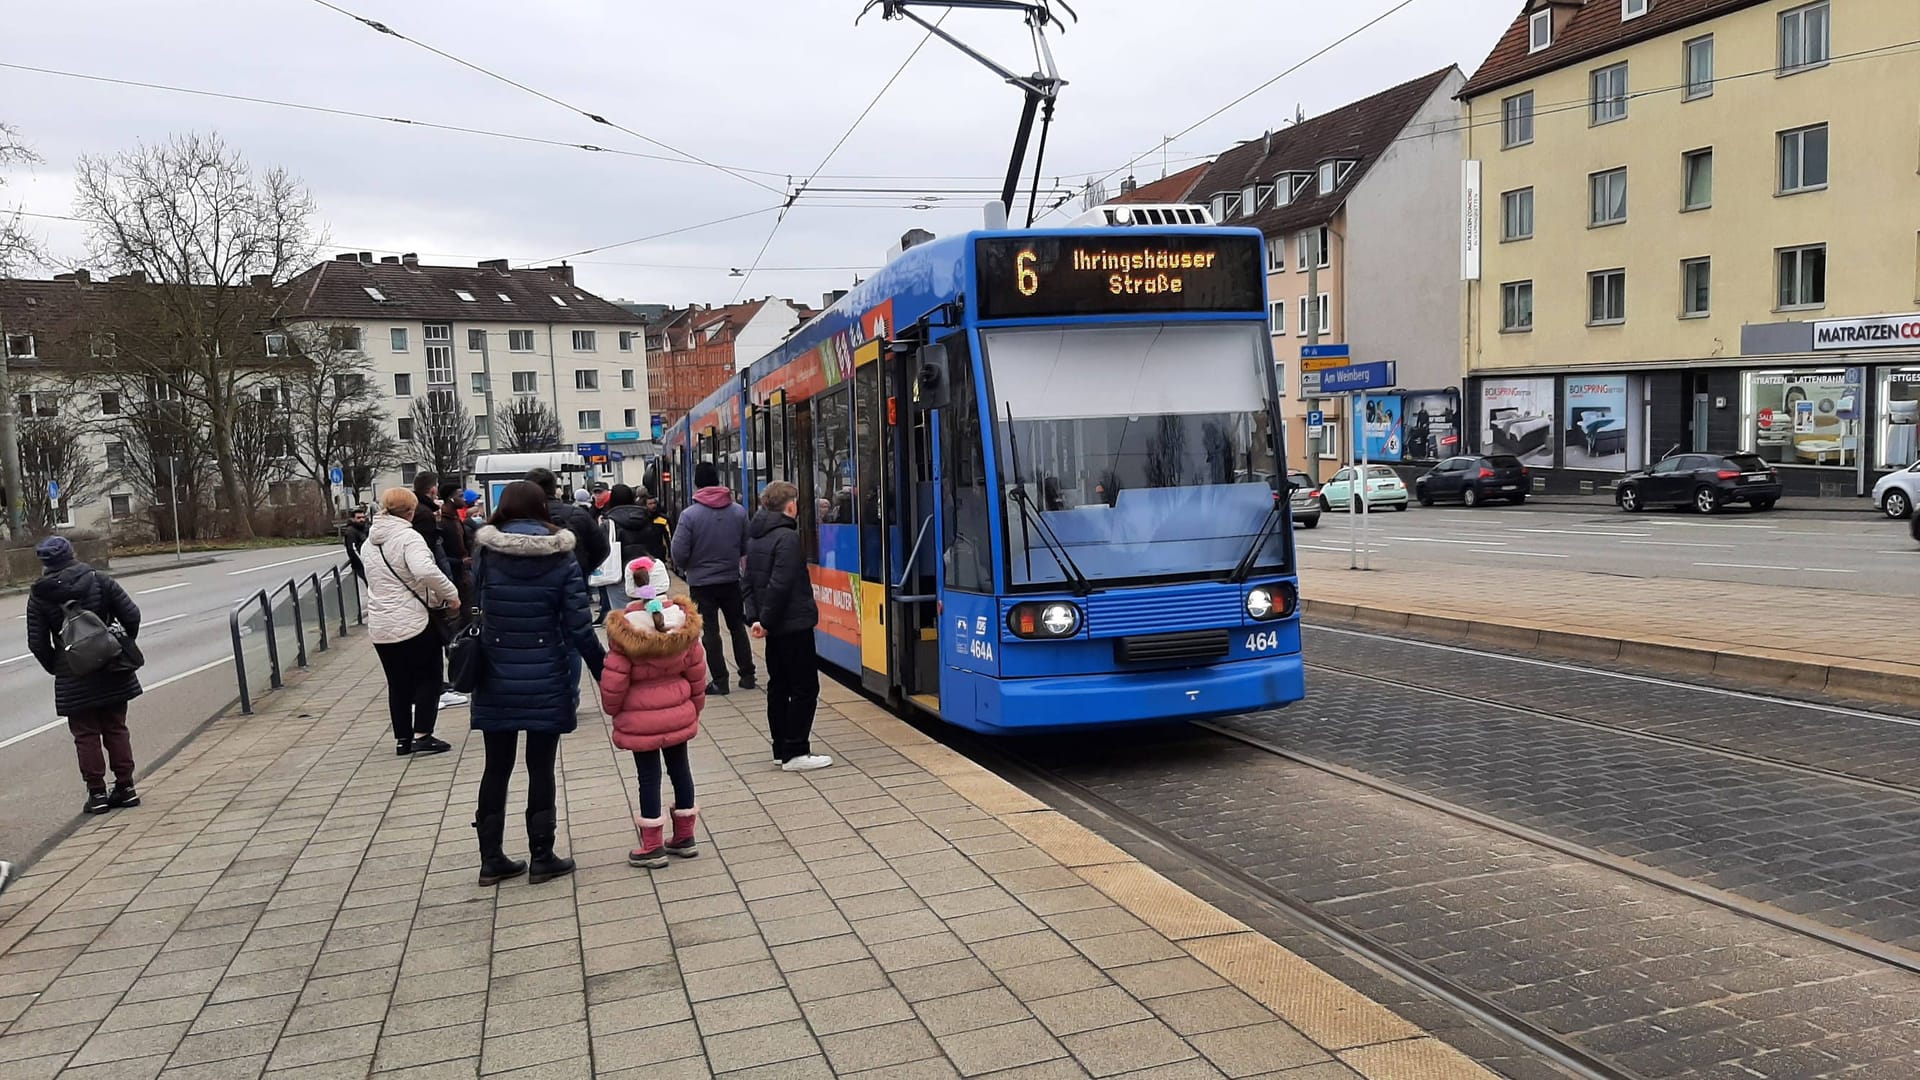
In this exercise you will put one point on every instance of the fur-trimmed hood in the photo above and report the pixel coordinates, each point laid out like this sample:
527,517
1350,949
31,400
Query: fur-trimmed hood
637,644
525,545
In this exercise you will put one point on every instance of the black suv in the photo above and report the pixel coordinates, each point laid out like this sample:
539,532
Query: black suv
1474,480
1705,482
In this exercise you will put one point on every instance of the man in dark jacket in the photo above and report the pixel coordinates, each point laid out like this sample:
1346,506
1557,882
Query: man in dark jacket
95,704
779,602
426,522
353,535
590,545
707,550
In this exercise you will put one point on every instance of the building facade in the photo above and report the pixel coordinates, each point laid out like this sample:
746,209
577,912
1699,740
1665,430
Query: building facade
1359,207
691,351
1701,231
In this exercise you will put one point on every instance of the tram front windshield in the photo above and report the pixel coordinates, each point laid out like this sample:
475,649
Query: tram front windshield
1145,451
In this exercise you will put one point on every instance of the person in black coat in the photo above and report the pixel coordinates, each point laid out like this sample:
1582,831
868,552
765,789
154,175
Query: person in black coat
354,535
590,544
779,605
536,633
426,522
95,705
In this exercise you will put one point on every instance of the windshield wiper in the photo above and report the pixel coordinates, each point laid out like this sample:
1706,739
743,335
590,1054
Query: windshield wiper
1244,567
1037,522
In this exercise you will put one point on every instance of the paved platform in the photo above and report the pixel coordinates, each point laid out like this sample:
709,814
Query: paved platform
1760,633
293,901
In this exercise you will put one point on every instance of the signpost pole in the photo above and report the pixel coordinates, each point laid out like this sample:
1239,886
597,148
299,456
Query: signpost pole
1353,464
1366,523
173,497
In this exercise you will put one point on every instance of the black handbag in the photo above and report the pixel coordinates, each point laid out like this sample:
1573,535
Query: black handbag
466,654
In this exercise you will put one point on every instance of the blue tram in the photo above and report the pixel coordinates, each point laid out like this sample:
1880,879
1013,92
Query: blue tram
1041,473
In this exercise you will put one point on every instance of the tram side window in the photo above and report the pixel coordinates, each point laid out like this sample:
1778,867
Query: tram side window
777,442
832,463
967,537
802,446
868,423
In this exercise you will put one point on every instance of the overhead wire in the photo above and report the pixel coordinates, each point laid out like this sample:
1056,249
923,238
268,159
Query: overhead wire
825,161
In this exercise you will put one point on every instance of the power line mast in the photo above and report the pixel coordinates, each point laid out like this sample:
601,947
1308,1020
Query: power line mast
1042,88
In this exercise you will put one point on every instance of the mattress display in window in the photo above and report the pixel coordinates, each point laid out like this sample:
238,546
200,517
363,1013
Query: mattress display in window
1899,417
1599,423
1516,417
1803,417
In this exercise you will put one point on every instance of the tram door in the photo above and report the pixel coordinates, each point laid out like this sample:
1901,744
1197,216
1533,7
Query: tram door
913,604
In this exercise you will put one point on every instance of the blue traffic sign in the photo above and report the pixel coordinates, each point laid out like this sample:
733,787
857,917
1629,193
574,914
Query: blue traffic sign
1316,418
616,456
590,449
1359,377
53,490
336,476
1325,352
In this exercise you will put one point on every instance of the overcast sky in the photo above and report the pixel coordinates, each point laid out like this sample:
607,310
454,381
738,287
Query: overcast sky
753,84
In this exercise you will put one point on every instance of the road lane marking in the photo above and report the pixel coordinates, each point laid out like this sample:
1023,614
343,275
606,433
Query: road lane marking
286,562
1582,532
1675,543
164,588
50,725
1312,547
165,621
1824,570
1705,525
1436,540
14,659
1909,551
1528,554
1745,566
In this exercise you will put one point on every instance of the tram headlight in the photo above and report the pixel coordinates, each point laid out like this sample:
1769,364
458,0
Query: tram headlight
1044,621
1266,602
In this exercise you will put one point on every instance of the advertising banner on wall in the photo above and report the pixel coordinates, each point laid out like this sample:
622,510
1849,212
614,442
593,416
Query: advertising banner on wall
1432,423
1597,422
1380,427
1516,417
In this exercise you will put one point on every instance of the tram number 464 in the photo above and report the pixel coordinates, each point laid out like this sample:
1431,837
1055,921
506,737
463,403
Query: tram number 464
980,649
1263,641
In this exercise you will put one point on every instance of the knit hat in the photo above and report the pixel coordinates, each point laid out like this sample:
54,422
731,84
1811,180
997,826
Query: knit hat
55,552
581,498
671,616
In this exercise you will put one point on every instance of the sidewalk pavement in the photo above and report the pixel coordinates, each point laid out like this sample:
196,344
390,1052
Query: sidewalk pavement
1806,639
293,901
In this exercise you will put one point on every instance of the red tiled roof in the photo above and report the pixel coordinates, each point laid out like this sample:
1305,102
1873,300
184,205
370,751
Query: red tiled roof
1587,28
1359,133
336,289
1167,189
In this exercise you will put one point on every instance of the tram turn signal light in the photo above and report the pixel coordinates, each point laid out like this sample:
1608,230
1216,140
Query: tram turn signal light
1044,621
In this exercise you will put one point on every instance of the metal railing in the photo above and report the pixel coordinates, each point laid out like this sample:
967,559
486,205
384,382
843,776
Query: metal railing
298,609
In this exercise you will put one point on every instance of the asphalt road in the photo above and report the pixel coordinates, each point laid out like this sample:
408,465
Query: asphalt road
1862,554
189,677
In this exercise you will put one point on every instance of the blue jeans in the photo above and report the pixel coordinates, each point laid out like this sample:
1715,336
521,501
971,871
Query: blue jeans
647,764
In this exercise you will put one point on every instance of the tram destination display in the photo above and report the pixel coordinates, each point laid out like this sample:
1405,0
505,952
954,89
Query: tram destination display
1105,274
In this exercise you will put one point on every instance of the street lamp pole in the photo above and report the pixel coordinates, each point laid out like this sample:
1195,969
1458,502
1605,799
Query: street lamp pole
173,497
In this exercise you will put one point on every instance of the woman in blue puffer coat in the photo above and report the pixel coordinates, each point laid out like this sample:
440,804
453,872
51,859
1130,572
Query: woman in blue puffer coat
537,629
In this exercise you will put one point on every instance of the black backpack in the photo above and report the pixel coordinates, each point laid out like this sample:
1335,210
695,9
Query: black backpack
86,641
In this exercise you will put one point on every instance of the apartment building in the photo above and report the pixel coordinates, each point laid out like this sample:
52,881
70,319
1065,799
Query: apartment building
1701,231
1360,209
483,336
691,351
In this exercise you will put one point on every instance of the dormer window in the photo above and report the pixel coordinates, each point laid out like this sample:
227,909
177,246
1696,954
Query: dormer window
1283,190
1540,30
1633,9
1329,177
375,294
504,298
1263,197
1226,205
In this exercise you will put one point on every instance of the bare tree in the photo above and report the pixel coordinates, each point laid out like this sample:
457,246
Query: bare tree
17,246
262,441
210,239
160,449
443,434
364,450
528,426
53,452
334,408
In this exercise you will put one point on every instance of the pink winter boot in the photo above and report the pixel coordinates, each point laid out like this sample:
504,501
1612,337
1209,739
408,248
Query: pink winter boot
683,844
651,853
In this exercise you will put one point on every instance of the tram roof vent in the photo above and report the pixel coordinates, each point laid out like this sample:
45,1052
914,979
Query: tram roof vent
1132,214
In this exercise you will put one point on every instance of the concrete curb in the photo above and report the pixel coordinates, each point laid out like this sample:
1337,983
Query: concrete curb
1867,680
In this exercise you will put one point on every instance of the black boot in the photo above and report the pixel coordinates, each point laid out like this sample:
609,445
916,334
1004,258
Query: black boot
544,864
495,867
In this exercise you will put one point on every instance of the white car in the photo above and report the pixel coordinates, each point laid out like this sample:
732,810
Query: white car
1898,493
1384,489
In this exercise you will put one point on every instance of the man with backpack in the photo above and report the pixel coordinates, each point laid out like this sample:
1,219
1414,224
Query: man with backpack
80,627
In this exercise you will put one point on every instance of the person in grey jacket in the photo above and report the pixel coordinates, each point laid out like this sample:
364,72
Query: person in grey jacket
710,548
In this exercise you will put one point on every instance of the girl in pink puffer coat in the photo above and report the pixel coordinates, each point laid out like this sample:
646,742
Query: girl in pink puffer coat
654,686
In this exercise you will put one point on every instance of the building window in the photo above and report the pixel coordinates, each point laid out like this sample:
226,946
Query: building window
504,298
1632,9
465,296
519,341
405,427
398,336
1300,252
102,345
1696,288
1327,177
276,345
586,379
1516,306
589,419
408,472
117,454
1306,317
1609,197
109,403
476,341
526,382
630,418
347,386
1325,240
1326,313
439,365
1805,37
120,504
1277,317
1225,205
626,340
557,300
1516,121
1697,169
585,341
441,400
626,378
1803,276
347,338
374,294
1539,31
20,345
1699,68
43,405
403,385
1277,254
1609,94
1607,293
1517,215
1803,159
478,381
